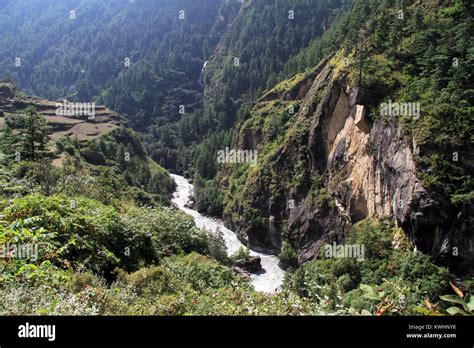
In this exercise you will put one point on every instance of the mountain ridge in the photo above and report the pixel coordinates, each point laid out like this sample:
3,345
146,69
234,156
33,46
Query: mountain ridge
316,153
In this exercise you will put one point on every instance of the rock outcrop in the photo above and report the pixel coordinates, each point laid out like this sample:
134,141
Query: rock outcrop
249,265
336,167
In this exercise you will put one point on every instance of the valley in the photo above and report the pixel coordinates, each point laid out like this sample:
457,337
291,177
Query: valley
269,279
321,151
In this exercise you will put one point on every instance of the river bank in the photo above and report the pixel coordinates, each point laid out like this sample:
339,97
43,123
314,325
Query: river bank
271,277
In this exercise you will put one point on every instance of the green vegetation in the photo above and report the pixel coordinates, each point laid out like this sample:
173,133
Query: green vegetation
123,153
83,234
388,281
93,259
288,256
132,260
464,303
25,137
99,211
423,58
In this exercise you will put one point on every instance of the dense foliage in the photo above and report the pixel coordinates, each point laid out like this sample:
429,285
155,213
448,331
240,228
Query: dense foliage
108,242
161,91
410,52
246,64
93,259
112,166
397,278
399,51
142,58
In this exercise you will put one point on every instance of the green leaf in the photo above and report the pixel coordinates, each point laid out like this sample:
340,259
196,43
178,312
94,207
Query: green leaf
366,288
43,311
456,310
369,292
371,297
469,300
452,299
422,310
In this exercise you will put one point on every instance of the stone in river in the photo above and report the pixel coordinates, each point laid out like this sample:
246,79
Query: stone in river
252,264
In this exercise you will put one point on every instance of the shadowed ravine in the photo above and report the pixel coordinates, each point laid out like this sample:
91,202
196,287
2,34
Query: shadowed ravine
270,279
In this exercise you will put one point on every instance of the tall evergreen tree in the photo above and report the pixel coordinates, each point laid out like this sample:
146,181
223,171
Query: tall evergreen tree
34,135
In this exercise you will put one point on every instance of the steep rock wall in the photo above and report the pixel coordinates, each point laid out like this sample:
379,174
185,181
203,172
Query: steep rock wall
362,170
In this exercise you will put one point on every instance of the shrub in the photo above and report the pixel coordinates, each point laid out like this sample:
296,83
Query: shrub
401,279
201,272
218,248
417,269
376,237
208,197
153,281
242,253
83,234
288,256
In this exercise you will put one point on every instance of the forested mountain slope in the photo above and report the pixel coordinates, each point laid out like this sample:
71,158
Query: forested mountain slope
249,59
86,227
333,154
359,111
78,48
144,59
49,150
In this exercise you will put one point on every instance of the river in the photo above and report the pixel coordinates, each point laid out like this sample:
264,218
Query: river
270,279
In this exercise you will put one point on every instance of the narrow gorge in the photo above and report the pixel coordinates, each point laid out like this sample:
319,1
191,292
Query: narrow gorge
349,168
269,279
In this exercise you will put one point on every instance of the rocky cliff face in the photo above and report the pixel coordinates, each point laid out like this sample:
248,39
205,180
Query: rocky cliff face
335,168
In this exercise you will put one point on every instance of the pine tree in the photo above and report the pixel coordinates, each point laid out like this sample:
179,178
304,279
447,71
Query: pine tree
8,144
33,137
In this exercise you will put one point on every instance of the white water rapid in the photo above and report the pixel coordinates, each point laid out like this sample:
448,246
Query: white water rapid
272,276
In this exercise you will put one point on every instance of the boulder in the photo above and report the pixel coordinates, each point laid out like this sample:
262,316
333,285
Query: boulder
360,120
241,271
251,264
